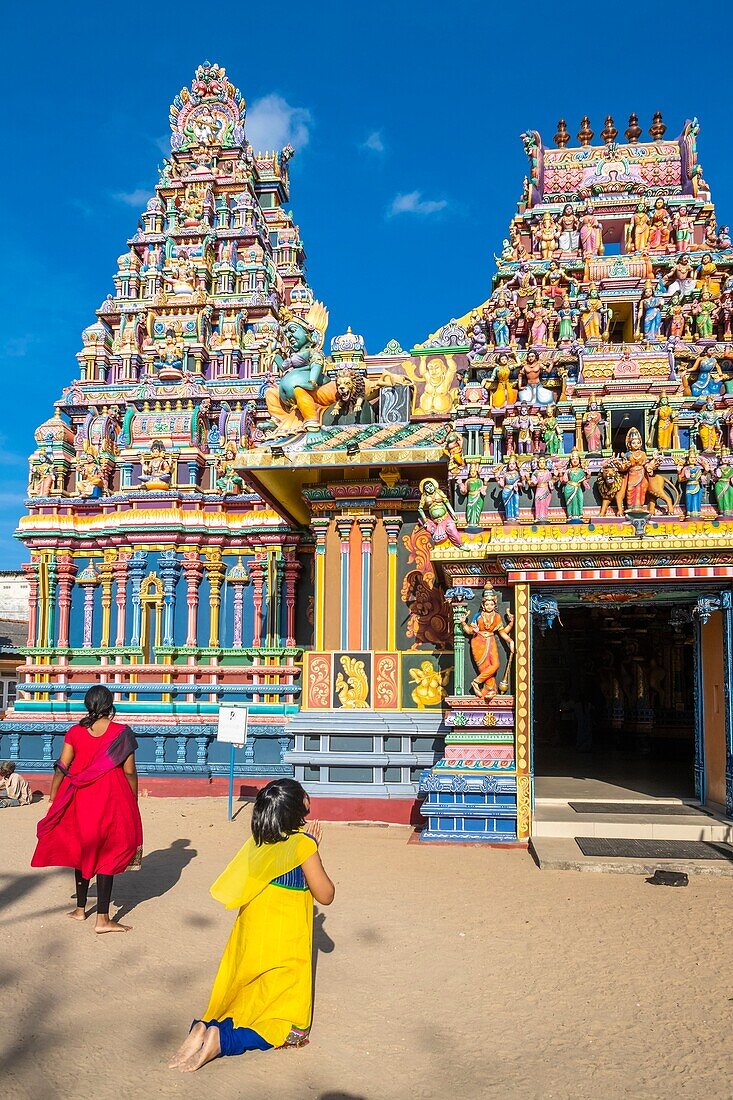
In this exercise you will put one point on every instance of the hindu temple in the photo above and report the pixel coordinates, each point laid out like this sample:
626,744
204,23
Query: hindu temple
444,580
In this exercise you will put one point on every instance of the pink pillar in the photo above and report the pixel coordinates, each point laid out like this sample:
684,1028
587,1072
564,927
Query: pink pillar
257,571
66,573
193,571
119,570
31,572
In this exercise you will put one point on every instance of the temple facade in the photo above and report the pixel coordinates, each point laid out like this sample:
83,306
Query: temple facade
438,577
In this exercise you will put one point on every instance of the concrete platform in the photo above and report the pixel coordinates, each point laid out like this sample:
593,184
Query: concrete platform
558,819
563,854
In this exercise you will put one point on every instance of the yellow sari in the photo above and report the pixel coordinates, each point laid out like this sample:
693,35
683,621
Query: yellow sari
264,981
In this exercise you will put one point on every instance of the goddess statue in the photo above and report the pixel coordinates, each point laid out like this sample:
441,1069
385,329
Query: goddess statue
510,478
677,318
474,488
542,318
651,313
664,421
541,480
641,228
593,426
708,276
661,228
724,485
501,314
503,392
482,631
228,482
592,314
568,316
694,475
709,377
704,311
574,479
683,230
708,425
437,516
555,283
42,476
89,479
156,467
545,235
591,233
637,466
552,432
299,395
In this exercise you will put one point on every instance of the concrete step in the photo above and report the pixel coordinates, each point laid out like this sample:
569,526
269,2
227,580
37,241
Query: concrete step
563,854
559,820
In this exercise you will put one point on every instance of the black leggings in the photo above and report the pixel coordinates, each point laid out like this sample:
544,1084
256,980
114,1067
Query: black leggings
104,892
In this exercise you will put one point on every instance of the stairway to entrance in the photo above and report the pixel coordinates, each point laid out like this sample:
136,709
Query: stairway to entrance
630,818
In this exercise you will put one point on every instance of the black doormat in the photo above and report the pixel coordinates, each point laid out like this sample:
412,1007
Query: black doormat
672,809
653,849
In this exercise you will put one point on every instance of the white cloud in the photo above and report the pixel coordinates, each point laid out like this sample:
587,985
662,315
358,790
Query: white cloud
138,197
272,123
412,202
374,142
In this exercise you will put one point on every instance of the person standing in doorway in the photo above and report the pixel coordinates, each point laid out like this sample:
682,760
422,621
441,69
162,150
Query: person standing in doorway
94,822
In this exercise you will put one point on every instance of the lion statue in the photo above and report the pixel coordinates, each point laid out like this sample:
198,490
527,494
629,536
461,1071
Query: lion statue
611,485
350,405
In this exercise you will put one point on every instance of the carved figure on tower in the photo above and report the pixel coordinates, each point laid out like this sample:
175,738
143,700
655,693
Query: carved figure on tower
483,630
568,237
474,488
541,480
664,422
532,391
298,398
709,377
724,485
593,428
660,233
437,515
574,480
694,475
708,425
591,233
503,391
156,467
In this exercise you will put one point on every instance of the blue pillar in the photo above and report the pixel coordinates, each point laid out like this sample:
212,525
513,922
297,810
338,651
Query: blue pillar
170,570
137,570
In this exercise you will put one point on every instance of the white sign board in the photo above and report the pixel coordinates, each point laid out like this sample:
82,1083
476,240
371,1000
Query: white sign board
232,728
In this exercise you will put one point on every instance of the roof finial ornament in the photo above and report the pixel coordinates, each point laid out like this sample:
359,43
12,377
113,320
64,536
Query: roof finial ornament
562,137
633,130
585,134
609,132
657,128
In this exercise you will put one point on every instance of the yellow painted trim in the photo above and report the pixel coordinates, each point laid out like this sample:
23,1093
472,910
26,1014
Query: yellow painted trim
522,716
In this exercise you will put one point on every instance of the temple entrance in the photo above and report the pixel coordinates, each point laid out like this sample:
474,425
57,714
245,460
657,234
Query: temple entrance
613,699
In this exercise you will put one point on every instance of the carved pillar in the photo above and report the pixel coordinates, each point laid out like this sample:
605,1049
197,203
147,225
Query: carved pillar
238,578
726,601
215,570
257,570
138,567
292,572
366,526
320,530
276,572
343,526
523,708
51,589
193,571
459,608
120,573
392,526
88,580
31,572
170,571
106,573
66,574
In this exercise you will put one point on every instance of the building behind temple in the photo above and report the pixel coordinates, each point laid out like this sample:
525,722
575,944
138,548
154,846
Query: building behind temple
429,574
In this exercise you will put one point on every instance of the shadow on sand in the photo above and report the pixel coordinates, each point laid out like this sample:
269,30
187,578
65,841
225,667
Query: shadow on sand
159,873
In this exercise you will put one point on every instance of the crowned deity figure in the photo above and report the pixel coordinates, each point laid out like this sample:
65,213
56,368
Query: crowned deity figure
593,426
552,432
541,480
661,228
511,479
227,481
545,236
568,317
637,466
568,237
709,377
708,425
684,230
156,467
474,487
453,449
640,229
591,233
437,516
483,630
532,391
664,422
503,391
574,480
694,474
723,486
705,311
651,313
42,475
298,397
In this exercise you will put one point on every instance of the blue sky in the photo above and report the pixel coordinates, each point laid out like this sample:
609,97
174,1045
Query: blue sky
406,119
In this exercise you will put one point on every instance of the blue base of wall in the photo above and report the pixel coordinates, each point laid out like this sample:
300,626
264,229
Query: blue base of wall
469,808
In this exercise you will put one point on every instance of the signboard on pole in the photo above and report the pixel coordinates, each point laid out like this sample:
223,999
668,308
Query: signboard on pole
232,728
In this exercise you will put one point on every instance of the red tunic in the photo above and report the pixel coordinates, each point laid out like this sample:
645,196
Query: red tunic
100,830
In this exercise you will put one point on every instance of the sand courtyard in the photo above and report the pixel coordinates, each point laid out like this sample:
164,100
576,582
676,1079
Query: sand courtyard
440,971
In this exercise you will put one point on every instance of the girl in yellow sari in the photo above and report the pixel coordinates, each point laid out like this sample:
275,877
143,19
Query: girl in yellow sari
263,990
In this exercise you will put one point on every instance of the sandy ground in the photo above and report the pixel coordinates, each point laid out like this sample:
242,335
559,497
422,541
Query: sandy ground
454,972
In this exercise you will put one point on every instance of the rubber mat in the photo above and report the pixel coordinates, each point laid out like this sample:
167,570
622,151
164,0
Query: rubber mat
653,849
673,809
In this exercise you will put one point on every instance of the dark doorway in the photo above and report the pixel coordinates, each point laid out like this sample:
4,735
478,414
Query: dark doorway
613,697
622,421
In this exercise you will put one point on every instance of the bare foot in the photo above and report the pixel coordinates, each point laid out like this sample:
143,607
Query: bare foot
104,924
192,1044
210,1049
77,914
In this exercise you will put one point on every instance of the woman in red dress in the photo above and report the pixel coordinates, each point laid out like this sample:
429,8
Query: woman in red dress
94,823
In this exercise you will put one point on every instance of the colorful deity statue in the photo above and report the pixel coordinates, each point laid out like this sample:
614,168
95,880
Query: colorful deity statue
526,425
299,395
709,377
677,318
545,236
555,284
89,475
156,467
635,465
541,317
708,276
433,381
552,432
503,391
532,391
640,229
42,475
664,422
437,516
694,474
723,486
522,285
501,315
591,233
170,357
430,684
660,233
568,317
593,315
474,487
478,336
541,480
724,318
704,312
568,237
228,482
574,480
651,313
453,449
511,479
708,425
593,427
683,230
681,279
483,630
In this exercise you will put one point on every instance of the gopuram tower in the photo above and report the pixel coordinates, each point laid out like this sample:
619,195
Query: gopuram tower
411,566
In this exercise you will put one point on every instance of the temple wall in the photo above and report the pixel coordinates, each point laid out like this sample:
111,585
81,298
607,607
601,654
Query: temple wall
713,708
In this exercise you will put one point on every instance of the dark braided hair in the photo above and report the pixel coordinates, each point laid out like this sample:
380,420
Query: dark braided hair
100,703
